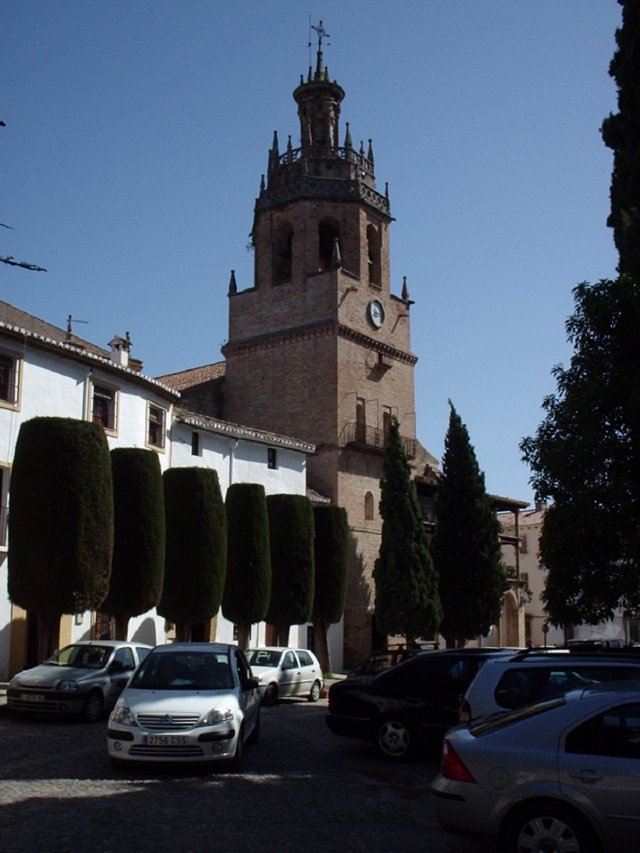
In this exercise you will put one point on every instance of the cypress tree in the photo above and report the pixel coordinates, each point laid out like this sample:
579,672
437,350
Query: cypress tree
406,600
196,548
248,585
621,133
466,545
331,548
139,536
291,534
61,521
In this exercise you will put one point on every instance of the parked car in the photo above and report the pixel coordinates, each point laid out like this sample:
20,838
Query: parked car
84,678
561,774
187,702
286,672
410,704
531,675
382,659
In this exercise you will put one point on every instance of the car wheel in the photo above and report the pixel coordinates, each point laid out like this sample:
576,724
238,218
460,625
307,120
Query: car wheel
548,827
393,738
271,694
314,693
254,737
93,707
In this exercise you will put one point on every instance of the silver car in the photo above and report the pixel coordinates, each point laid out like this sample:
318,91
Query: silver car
560,775
84,678
187,702
286,672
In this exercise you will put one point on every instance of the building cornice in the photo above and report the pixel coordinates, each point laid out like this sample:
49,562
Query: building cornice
68,350
320,328
226,428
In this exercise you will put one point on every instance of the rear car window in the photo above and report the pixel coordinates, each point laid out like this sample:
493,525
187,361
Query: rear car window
499,721
521,685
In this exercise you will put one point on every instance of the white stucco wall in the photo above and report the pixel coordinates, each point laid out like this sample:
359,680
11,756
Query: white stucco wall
54,384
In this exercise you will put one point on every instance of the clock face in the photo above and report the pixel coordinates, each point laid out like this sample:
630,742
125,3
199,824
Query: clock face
376,313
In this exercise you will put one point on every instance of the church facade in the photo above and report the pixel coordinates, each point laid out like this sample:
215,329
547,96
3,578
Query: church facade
319,347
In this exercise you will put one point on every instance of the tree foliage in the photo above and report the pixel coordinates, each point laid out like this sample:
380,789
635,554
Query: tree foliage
466,546
331,549
621,133
407,600
196,547
248,586
291,534
585,459
61,520
139,535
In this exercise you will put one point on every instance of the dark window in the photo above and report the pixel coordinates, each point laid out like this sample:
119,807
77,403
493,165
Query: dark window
368,506
125,657
304,658
195,444
327,236
282,254
104,406
271,458
156,430
373,257
8,378
616,732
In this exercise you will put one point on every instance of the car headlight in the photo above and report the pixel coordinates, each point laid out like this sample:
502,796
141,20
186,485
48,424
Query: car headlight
121,714
216,715
68,685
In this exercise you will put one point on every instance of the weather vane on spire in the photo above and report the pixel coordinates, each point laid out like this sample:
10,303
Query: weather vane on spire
322,33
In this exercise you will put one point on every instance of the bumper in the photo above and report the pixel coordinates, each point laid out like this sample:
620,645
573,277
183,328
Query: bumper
44,701
203,745
464,808
349,726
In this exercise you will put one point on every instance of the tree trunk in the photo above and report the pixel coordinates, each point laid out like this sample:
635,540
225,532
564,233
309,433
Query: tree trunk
244,633
121,626
183,632
48,634
322,646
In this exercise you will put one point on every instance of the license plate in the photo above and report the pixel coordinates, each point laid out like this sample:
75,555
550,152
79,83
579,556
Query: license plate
165,740
32,697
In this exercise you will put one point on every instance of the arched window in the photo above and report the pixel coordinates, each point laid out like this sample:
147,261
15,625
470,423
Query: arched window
368,506
282,252
328,232
373,255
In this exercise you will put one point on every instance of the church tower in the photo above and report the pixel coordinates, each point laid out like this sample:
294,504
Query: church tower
319,347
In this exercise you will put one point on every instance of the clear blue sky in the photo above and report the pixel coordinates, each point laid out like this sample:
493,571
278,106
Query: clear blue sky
137,132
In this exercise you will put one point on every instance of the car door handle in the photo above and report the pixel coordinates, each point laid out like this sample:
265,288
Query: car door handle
587,777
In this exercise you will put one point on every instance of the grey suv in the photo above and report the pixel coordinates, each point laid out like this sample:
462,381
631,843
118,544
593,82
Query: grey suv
528,676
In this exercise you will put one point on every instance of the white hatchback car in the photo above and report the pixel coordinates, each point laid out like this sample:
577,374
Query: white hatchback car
187,702
286,672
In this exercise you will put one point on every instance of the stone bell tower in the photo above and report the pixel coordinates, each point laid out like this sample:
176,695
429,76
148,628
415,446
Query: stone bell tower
318,346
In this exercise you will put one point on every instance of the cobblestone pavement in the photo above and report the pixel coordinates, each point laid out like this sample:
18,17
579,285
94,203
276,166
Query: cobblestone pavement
300,788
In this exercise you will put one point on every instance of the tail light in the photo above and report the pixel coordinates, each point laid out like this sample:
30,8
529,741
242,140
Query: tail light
453,767
464,711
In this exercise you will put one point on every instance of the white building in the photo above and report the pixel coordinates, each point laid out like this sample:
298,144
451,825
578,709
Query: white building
45,370
525,530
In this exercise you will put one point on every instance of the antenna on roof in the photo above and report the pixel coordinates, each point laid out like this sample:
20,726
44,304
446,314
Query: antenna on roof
71,320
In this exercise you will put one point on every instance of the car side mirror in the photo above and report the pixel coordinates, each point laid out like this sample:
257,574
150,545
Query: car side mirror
116,666
250,684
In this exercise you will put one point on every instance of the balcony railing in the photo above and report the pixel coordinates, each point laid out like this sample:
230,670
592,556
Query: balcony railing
372,438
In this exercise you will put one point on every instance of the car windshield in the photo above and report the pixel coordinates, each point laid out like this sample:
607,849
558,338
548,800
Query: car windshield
263,657
81,656
184,670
